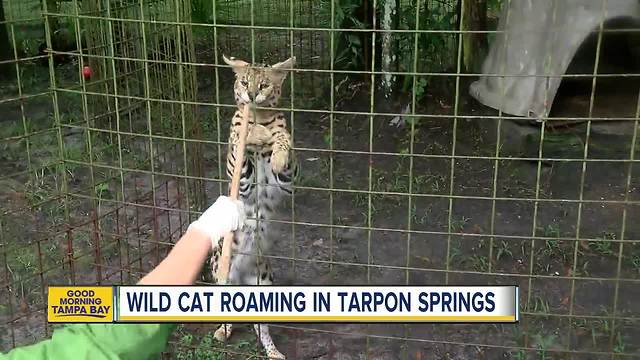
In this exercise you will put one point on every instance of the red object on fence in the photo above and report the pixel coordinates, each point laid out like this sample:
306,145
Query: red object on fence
86,72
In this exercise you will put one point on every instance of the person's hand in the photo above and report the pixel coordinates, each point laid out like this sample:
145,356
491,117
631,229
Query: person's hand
225,215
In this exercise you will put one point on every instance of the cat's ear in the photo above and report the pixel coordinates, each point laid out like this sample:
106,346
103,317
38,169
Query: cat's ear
287,64
236,64
279,70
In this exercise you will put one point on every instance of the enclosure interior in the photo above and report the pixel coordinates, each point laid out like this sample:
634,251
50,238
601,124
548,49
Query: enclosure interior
414,184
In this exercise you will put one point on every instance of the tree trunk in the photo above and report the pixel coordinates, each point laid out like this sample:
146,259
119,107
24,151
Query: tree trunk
474,45
6,51
388,54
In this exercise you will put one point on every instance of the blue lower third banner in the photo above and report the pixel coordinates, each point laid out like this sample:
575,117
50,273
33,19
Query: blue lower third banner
373,304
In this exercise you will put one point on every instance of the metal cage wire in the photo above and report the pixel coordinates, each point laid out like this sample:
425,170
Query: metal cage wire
103,174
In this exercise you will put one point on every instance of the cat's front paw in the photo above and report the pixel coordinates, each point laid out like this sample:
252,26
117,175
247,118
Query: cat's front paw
279,160
258,135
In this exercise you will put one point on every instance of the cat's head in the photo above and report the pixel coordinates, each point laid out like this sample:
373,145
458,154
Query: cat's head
259,83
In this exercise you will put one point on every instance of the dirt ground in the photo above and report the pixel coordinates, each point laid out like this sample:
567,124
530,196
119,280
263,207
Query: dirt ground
544,269
468,227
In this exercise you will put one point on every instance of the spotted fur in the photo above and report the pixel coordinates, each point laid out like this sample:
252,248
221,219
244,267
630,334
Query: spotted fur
267,175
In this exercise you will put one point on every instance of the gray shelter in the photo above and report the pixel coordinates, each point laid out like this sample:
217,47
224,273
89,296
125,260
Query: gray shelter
536,42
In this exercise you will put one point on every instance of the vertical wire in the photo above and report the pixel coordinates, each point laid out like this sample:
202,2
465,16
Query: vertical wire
25,127
416,50
496,164
534,230
147,97
331,124
294,248
129,106
258,169
8,278
253,33
61,146
454,138
628,190
585,155
116,99
370,175
416,36
217,82
221,158
179,32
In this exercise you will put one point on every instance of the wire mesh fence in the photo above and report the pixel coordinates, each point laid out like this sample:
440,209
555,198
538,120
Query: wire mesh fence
411,183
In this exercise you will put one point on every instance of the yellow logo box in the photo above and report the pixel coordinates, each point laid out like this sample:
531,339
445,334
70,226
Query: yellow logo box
80,304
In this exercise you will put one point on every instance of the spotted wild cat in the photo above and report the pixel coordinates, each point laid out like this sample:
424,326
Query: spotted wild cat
268,172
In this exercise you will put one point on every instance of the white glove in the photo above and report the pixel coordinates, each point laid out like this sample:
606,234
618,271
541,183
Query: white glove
225,215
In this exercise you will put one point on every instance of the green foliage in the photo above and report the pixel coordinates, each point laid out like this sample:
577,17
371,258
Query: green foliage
102,190
201,11
619,345
494,6
503,250
544,342
604,247
435,51
207,348
348,46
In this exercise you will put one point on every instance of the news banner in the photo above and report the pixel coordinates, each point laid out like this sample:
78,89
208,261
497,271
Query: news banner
303,304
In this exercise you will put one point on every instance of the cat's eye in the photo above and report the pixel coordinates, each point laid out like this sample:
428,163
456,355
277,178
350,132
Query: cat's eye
263,86
244,83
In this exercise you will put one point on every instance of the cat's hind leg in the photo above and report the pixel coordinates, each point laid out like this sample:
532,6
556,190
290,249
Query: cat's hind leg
223,332
262,330
264,277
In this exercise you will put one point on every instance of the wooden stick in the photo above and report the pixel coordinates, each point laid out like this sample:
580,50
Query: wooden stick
225,258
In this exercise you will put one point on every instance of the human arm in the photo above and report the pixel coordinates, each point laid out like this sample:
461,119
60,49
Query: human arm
182,265
98,342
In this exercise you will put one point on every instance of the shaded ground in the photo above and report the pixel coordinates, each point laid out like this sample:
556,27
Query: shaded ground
556,274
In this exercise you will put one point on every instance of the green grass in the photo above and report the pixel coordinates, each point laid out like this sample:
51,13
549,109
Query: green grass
479,263
502,250
457,225
604,246
455,252
552,248
540,306
619,346
420,218
543,343
207,348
